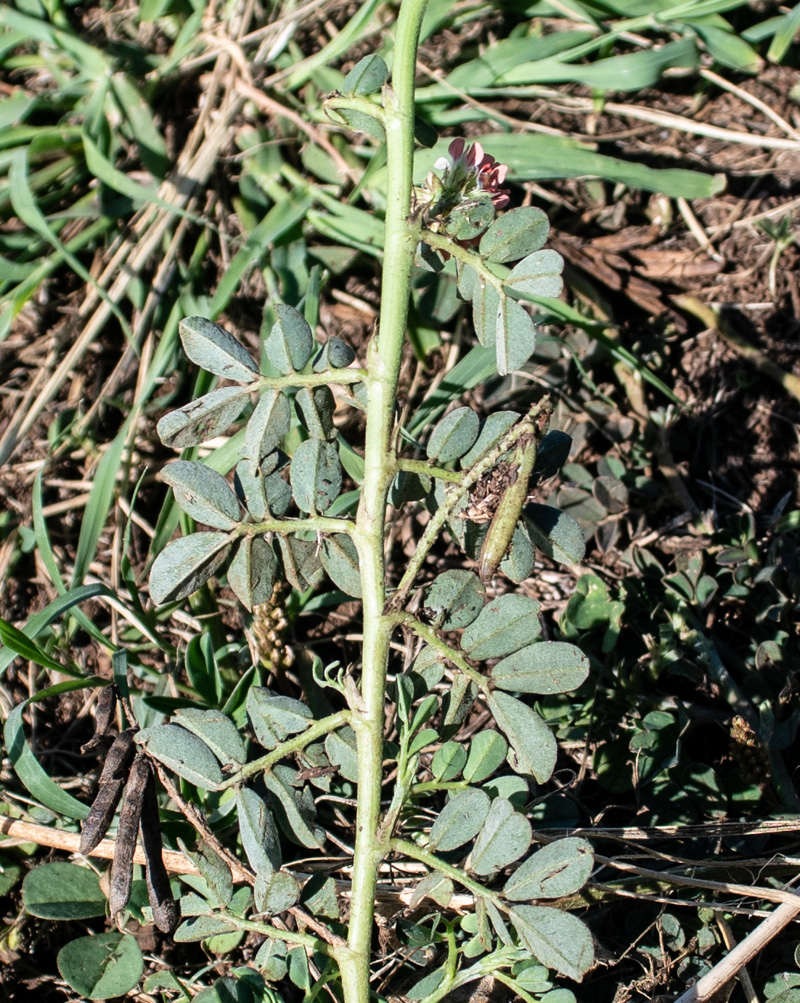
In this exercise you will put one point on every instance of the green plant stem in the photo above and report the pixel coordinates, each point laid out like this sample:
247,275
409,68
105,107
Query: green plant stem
384,358
313,524
429,636
428,470
342,377
292,745
408,849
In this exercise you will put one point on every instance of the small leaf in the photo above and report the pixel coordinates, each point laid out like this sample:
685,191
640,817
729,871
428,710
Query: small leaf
456,597
505,836
334,354
556,938
216,350
102,966
203,494
551,455
278,492
270,421
454,435
531,740
301,563
340,559
185,564
547,667
341,749
561,868
200,928
537,275
296,825
556,534
251,573
448,761
316,475
290,342
316,409
515,234
217,730
274,717
203,419
319,896
367,76
257,829
250,490
503,626
460,819
492,431
487,752
520,559
469,219
515,336
275,892
63,891
215,880
183,753
433,886
427,985
485,311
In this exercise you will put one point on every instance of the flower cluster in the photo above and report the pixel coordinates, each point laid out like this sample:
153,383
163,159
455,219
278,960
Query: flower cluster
468,174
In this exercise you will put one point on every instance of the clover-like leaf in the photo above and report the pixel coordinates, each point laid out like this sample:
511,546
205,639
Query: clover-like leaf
63,891
216,350
455,597
448,761
316,406
469,219
461,819
183,753
316,475
505,836
101,966
532,742
203,494
454,435
367,76
537,275
185,564
270,421
290,342
503,626
561,868
251,573
203,419
547,667
557,534
515,234
556,938
340,559
217,730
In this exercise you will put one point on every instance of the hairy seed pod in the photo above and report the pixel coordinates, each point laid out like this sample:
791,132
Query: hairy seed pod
112,780
508,512
127,831
165,911
103,716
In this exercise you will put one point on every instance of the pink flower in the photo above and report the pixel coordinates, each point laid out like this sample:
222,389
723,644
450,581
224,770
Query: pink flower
467,174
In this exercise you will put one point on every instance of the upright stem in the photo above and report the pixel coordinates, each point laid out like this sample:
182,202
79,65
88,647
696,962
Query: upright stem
383,367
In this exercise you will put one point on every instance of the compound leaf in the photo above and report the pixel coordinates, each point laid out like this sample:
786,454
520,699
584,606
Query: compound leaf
547,667
290,342
183,753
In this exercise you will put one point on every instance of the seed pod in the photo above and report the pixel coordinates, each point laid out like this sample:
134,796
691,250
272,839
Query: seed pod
103,716
127,831
112,780
506,516
165,911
